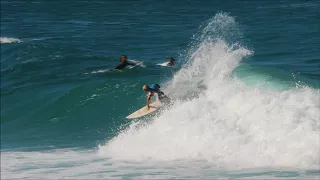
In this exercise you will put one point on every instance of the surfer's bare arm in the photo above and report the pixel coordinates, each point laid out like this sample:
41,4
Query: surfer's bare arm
148,101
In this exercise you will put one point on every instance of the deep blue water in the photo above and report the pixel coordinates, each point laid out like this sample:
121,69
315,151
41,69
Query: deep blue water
245,89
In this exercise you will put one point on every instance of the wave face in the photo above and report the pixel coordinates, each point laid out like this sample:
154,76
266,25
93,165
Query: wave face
222,120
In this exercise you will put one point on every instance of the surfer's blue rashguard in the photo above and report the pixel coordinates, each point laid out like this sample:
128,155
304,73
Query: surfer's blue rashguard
154,88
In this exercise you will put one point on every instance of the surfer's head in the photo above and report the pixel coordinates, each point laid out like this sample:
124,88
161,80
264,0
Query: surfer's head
123,58
145,88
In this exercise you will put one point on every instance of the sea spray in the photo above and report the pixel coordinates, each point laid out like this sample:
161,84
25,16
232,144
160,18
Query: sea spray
226,123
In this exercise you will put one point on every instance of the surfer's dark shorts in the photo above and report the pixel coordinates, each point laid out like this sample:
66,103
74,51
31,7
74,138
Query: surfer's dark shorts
164,99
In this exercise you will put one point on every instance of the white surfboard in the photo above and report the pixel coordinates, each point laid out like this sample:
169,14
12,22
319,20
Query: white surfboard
138,63
166,64
144,111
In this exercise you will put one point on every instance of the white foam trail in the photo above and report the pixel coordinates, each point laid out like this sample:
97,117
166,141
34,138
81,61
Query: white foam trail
99,71
6,40
223,121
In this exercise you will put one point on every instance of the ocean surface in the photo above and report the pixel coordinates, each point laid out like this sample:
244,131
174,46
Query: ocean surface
245,89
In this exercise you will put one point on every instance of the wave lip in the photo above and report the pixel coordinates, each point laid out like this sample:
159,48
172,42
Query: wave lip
6,40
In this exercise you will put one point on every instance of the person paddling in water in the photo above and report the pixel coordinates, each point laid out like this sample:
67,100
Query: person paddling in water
151,90
124,62
171,61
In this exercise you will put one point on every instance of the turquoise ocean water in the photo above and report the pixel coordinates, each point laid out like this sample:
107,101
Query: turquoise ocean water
245,90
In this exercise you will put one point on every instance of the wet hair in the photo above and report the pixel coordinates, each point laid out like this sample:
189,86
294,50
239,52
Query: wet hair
171,58
145,87
123,56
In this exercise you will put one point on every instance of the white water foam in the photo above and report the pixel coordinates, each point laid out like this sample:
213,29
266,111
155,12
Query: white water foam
82,164
6,40
223,121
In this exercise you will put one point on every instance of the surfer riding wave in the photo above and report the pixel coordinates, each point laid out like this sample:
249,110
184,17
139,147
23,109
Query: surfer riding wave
155,89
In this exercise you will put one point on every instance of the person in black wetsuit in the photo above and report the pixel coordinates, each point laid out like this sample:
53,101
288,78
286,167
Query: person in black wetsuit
171,61
124,62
